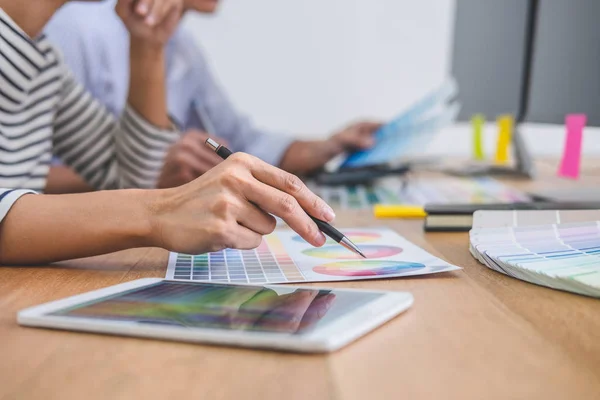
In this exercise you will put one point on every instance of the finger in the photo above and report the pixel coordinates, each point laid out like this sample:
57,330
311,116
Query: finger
285,206
317,310
292,185
230,302
287,316
365,141
184,159
162,12
154,15
186,176
357,140
257,220
172,19
195,144
253,308
143,7
203,136
243,238
124,7
221,141
370,126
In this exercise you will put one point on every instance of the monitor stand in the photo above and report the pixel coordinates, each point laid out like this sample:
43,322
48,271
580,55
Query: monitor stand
523,168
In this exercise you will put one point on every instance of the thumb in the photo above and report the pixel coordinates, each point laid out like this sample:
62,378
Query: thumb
371,126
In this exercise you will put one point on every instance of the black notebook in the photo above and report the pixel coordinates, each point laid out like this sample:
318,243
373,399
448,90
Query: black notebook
459,217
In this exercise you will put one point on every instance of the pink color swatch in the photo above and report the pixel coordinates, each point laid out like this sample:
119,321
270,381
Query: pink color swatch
571,159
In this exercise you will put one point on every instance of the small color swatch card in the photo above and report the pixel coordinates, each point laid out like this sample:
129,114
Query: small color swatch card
285,257
417,191
538,247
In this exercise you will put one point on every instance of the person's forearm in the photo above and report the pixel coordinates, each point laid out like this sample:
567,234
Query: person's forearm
147,87
40,229
303,157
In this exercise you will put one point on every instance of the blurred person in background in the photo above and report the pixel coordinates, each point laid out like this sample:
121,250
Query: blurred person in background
96,47
43,110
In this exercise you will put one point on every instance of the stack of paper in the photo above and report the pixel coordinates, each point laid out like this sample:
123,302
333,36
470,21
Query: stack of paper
556,254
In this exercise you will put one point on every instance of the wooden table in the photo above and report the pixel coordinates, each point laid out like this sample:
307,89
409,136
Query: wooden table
471,334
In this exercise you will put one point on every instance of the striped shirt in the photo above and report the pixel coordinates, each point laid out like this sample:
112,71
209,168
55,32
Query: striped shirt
44,111
95,46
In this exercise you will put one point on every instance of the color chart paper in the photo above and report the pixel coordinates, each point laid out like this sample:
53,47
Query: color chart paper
285,257
563,256
417,191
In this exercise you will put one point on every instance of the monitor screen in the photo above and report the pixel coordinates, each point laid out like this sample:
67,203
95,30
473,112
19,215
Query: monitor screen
488,59
565,76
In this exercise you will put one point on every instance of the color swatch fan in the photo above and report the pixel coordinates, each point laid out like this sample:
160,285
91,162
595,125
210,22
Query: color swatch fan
285,257
412,129
536,247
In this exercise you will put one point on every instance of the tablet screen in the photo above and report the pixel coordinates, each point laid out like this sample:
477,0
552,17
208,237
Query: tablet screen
207,305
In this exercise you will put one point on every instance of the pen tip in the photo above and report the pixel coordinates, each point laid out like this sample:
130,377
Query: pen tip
351,246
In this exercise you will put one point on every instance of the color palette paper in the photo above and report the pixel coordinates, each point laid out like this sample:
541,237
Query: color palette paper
340,253
417,191
284,257
367,268
563,256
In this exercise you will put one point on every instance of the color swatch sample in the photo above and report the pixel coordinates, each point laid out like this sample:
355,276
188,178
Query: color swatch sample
397,191
571,159
282,257
367,268
341,253
269,262
563,256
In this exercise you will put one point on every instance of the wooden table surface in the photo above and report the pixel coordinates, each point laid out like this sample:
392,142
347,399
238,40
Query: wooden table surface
471,334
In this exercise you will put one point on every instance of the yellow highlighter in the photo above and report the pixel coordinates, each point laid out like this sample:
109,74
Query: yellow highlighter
505,129
478,121
398,211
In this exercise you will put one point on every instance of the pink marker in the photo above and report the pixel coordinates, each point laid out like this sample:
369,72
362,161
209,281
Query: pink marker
571,159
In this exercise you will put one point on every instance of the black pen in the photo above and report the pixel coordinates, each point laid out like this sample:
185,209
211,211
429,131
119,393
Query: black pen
323,226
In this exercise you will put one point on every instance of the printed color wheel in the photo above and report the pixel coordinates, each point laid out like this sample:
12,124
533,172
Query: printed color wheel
367,268
340,253
356,236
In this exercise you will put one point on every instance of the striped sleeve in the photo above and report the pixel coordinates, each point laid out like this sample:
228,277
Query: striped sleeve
107,153
8,197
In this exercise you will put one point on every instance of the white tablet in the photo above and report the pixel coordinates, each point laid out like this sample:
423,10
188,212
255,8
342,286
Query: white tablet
303,319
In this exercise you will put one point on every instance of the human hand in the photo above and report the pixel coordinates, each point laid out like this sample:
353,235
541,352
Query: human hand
221,208
187,159
305,157
358,136
152,21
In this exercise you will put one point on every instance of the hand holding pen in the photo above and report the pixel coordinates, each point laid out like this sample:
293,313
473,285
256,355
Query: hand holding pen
296,189
230,206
